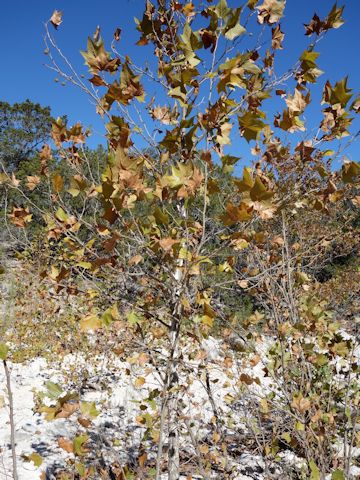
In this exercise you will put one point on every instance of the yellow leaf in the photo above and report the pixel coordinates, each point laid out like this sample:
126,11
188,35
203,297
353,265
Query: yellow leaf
204,448
90,322
139,382
57,182
264,406
208,321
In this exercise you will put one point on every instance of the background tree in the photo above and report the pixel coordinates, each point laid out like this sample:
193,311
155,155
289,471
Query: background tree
24,128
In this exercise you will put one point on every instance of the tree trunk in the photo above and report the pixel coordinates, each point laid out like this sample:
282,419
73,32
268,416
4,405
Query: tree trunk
12,424
173,454
173,381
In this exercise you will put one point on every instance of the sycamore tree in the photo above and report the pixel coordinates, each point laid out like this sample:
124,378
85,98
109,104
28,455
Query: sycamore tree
178,231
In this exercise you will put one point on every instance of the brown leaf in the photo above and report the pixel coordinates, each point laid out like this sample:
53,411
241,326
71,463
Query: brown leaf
45,155
97,81
56,18
265,210
243,283
142,459
14,181
32,182
57,182
234,214
66,444
135,260
356,201
164,115
84,422
167,243
297,103
277,38
20,216
315,26
270,11
67,410
143,359
110,215
117,34
209,39
244,378
301,404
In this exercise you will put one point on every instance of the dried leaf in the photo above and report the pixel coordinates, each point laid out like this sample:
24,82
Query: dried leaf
117,34
56,18
66,444
32,182
139,382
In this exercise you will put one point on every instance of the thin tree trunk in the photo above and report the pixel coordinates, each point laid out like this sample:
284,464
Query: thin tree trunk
174,453
173,379
12,425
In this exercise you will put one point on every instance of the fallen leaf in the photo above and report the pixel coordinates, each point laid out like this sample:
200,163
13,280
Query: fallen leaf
66,444
139,382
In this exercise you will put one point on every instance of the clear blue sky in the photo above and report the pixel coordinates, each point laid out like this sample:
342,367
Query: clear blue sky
25,76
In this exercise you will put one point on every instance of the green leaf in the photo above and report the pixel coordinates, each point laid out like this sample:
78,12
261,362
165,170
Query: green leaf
61,215
178,94
189,43
161,217
235,32
328,153
110,315
3,351
222,10
85,265
88,409
78,444
340,348
54,390
321,360
350,172
334,20
309,58
315,472
247,182
251,125
299,426
81,469
133,318
287,437
259,191
341,94
35,458
228,162
338,475
233,28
